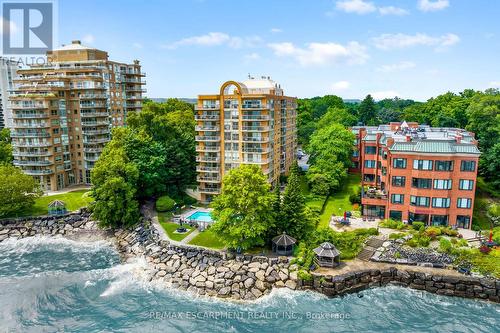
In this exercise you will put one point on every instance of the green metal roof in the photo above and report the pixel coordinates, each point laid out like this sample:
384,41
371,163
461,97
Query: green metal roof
428,146
370,137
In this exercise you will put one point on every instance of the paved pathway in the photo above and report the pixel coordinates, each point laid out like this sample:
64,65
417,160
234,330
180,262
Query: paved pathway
68,189
190,236
149,212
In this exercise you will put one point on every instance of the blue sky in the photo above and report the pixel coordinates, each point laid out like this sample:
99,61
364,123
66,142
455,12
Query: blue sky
413,49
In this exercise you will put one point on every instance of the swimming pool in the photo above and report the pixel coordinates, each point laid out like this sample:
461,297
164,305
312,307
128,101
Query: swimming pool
200,217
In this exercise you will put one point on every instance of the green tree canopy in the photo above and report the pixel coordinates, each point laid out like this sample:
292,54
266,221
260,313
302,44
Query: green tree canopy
368,111
18,191
5,146
243,212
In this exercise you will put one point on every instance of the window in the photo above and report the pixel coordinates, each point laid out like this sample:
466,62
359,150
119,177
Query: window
463,221
439,220
468,166
444,166
466,184
441,202
397,198
370,150
398,181
368,178
421,182
464,203
384,171
399,163
422,164
442,184
370,164
419,201
355,153
396,215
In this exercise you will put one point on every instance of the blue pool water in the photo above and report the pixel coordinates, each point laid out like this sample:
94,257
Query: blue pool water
56,285
200,216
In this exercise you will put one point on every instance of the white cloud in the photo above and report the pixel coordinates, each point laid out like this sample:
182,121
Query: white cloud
137,45
216,39
355,6
276,30
391,10
322,53
379,95
494,84
432,5
88,39
341,85
4,24
399,41
402,65
252,56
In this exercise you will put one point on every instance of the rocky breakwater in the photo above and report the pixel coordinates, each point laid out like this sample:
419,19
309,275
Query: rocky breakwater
203,271
461,286
69,225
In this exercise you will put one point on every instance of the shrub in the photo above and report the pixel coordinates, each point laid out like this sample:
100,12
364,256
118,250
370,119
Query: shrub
420,240
189,200
433,232
397,235
484,249
304,275
355,197
462,243
418,225
449,232
445,245
392,224
165,204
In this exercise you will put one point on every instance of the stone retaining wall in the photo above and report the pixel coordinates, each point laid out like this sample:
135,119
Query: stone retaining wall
463,286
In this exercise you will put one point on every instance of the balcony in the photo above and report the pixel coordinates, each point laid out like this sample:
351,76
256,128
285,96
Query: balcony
29,115
255,117
255,128
95,123
94,114
256,150
206,117
207,138
209,190
91,96
95,132
30,125
207,128
201,168
92,105
91,158
205,179
207,159
29,106
251,161
207,148
39,144
250,139
29,134
33,163
92,149
28,153
36,172
254,106
207,107
97,140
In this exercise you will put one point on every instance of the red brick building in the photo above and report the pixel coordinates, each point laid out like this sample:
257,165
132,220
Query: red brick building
412,172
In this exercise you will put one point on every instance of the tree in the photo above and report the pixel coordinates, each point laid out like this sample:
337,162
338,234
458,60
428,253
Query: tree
295,218
5,146
18,191
243,212
114,181
367,111
330,156
337,116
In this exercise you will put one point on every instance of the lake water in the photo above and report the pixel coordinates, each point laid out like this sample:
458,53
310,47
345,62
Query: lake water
49,285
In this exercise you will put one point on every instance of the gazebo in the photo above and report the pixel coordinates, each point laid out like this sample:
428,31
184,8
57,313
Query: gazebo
283,244
327,255
57,207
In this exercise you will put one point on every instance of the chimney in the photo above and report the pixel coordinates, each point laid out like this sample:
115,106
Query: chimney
459,138
408,138
390,142
76,42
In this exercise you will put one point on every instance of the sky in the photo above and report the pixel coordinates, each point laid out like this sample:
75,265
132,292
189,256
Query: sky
406,48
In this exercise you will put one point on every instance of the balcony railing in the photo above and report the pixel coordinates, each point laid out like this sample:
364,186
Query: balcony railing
93,149
92,96
207,159
31,153
35,163
206,117
207,138
30,125
92,105
99,140
35,172
255,128
201,168
95,132
209,190
24,144
256,150
30,115
208,179
207,107
207,148
207,128
95,123
94,114
91,158
255,117
29,134
250,161
250,139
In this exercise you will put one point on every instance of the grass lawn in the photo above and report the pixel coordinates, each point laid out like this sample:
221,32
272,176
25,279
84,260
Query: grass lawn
312,200
165,217
74,200
207,239
170,228
485,197
339,202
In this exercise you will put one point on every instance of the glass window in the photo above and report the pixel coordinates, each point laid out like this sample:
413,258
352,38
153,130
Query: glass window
399,163
422,164
439,220
370,150
468,166
396,215
355,153
370,164
463,221
466,184
399,181
421,182
441,202
397,198
464,203
442,184
419,201
444,166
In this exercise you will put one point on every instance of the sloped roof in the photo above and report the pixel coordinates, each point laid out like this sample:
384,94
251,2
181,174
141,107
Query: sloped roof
327,249
57,203
430,146
284,240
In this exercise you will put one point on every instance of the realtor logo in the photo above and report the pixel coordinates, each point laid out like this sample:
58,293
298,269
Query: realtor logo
28,27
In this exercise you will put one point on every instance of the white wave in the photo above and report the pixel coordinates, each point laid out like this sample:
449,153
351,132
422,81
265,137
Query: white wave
128,275
56,243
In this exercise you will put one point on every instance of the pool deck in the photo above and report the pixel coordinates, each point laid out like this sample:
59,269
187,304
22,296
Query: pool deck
190,212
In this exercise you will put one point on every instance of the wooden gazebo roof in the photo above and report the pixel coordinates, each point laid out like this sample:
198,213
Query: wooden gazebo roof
327,249
284,240
57,203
